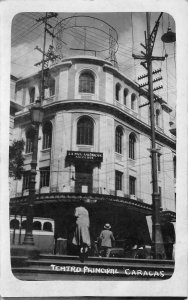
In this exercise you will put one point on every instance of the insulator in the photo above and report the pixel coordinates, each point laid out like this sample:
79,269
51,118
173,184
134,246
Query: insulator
156,71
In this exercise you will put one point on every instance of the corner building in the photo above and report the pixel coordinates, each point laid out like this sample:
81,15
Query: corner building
94,145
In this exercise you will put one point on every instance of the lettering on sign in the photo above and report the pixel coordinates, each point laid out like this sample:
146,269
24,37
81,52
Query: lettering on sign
80,155
109,271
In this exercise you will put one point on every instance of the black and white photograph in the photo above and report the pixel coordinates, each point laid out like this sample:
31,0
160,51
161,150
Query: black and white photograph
92,138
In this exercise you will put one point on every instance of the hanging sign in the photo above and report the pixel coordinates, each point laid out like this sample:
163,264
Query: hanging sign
73,156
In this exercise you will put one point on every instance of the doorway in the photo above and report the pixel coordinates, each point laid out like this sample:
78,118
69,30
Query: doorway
83,178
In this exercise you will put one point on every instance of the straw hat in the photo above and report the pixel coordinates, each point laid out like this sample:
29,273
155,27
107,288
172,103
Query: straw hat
107,226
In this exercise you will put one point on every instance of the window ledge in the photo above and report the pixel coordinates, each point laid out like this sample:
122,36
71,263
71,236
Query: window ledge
84,145
119,154
86,93
28,154
45,150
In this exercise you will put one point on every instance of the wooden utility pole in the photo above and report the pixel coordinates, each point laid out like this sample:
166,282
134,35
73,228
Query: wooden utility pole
50,55
28,239
158,247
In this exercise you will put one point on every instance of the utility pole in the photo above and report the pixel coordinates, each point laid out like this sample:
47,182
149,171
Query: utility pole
50,55
147,57
37,113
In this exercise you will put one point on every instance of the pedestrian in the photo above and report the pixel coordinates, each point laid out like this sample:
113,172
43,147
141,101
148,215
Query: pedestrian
168,234
106,240
81,236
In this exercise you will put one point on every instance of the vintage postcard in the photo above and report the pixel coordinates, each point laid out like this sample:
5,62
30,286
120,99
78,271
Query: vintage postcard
94,149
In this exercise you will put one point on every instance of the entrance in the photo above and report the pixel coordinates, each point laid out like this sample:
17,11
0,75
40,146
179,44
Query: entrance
83,178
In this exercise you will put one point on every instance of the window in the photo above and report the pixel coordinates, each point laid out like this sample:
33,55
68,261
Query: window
159,161
36,225
132,185
174,165
157,117
125,94
118,180
118,87
160,195
132,141
14,224
47,135
29,141
87,83
24,224
118,143
47,226
133,101
52,87
32,94
44,177
85,131
26,180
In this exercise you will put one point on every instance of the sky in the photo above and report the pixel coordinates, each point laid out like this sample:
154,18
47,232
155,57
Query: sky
91,33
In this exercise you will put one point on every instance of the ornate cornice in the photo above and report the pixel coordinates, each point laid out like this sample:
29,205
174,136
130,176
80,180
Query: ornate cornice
99,106
48,198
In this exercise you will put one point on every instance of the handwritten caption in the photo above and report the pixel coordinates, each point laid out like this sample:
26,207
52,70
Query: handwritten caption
108,271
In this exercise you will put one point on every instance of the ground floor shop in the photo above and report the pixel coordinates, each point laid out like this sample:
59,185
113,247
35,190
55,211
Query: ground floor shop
128,219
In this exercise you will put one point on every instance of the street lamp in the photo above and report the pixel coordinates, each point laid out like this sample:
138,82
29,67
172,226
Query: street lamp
36,114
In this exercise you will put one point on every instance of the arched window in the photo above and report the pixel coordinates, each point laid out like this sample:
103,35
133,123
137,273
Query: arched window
37,225
32,94
29,140
132,141
47,135
87,83
85,131
117,91
118,142
157,117
52,86
14,224
47,226
133,101
125,94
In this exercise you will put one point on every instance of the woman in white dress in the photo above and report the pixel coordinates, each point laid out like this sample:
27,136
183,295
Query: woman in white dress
81,236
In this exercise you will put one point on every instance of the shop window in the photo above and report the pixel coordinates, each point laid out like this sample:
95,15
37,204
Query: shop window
47,135
87,83
132,142
26,180
29,141
118,180
47,226
133,101
32,94
125,94
132,185
85,131
14,224
118,141
44,177
52,87
117,91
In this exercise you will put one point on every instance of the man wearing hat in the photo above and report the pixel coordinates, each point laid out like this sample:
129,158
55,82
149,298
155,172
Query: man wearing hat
107,239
